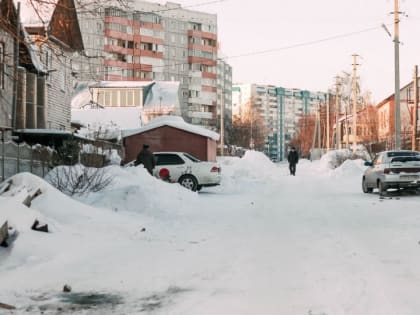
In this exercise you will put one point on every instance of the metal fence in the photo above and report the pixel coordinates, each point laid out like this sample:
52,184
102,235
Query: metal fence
16,158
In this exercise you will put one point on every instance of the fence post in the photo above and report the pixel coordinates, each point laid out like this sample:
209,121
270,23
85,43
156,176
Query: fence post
32,159
18,159
2,156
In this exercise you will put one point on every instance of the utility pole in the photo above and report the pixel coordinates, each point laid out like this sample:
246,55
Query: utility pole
15,67
328,121
415,102
346,125
397,77
319,126
354,97
317,131
337,111
222,123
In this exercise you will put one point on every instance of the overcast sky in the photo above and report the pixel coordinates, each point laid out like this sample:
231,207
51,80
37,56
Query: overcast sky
318,31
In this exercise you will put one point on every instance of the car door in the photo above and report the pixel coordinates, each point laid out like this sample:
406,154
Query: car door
172,162
371,174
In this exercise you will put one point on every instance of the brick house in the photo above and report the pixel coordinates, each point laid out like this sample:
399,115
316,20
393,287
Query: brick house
386,118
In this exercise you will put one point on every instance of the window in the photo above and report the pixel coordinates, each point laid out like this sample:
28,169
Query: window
192,158
168,159
2,65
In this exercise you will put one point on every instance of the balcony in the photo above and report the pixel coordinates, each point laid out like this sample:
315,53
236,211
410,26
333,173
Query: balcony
202,115
194,33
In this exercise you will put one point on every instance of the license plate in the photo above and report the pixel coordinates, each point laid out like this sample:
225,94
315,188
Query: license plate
409,177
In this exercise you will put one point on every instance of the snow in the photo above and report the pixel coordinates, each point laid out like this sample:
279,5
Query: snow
175,122
263,242
36,13
106,123
110,121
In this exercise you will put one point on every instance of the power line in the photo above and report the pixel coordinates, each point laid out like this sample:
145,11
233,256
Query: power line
303,44
308,43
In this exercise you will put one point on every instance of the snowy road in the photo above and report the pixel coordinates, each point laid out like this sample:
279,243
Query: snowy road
262,243
311,245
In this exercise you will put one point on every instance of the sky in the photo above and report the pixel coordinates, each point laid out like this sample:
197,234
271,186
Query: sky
296,33
263,242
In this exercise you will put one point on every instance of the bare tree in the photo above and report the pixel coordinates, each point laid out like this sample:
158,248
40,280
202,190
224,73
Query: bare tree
248,129
78,180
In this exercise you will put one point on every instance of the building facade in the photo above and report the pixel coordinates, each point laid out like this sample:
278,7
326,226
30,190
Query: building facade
45,79
280,110
224,98
386,118
151,41
7,39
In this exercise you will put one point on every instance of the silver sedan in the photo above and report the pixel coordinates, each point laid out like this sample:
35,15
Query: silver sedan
399,169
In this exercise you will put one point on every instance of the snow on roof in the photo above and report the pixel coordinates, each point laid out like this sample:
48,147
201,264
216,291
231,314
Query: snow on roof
169,91
81,95
163,94
34,53
36,13
175,122
121,84
109,121
45,131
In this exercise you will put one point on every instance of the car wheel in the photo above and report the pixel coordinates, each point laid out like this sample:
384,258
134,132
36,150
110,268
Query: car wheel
365,187
382,188
189,182
199,187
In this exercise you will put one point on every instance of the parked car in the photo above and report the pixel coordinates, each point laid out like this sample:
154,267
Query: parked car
398,169
187,170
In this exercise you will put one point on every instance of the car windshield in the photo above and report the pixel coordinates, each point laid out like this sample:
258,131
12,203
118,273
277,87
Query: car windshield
192,158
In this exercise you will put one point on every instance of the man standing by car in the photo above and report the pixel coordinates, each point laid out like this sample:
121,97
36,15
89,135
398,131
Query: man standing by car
293,159
146,158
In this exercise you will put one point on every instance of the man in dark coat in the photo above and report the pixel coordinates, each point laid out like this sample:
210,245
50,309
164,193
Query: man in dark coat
146,158
293,159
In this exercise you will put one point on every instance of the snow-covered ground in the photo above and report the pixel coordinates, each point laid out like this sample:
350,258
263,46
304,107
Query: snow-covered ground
263,242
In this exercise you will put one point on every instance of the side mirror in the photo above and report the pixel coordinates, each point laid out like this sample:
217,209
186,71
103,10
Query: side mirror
368,163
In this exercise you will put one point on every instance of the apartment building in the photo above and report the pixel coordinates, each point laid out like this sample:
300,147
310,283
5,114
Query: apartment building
293,104
280,110
224,97
150,41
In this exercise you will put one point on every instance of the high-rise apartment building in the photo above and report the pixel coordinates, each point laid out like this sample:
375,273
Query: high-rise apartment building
224,97
280,110
150,41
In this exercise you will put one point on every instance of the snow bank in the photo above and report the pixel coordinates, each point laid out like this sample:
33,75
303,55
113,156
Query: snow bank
134,190
239,173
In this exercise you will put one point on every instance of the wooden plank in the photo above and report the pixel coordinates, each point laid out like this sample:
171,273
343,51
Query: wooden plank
5,186
4,233
28,200
7,306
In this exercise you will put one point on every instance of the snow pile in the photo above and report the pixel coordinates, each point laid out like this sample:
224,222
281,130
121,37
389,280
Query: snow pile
134,190
335,158
349,168
253,166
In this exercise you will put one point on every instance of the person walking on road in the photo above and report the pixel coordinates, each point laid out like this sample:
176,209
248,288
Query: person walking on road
146,158
293,159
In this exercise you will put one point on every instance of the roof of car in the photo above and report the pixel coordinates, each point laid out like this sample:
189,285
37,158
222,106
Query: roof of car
400,151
